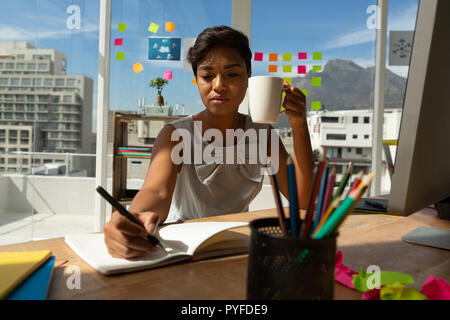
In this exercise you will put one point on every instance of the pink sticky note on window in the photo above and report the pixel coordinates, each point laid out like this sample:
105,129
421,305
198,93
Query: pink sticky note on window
168,75
302,56
258,56
301,69
118,41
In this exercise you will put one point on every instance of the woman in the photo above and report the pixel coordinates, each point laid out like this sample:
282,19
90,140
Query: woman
221,62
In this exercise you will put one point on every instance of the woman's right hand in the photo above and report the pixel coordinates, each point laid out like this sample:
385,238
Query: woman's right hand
125,239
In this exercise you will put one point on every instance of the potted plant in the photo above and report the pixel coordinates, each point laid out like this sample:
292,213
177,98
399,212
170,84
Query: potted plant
158,84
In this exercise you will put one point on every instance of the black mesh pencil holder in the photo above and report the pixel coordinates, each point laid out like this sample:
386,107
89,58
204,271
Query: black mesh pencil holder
285,268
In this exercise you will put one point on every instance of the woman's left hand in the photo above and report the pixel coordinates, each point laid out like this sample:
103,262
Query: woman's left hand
295,105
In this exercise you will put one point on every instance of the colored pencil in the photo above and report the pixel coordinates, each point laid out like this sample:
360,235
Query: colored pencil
328,191
276,194
320,197
358,180
329,211
344,181
340,214
313,195
363,186
293,196
350,187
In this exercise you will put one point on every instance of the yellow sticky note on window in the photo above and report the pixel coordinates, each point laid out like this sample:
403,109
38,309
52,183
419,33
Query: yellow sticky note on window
288,80
287,56
194,81
287,68
153,27
138,67
316,105
170,26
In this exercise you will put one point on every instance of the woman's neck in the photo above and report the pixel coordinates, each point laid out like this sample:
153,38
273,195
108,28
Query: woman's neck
220,122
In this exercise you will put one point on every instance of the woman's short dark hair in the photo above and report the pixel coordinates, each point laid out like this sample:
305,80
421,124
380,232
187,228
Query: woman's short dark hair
219,36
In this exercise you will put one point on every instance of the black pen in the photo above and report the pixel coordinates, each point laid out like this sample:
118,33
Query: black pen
126,214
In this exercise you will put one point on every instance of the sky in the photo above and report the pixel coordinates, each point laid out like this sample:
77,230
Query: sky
337,29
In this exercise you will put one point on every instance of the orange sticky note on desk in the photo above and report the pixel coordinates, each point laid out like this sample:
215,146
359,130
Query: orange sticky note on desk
138,67
170,26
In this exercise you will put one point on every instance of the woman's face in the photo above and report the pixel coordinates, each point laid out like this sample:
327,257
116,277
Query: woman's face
222,80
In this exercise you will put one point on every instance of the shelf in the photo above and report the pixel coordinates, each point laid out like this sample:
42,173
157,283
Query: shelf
132,157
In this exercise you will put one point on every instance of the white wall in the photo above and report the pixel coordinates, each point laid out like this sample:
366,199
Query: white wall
75,195
4,194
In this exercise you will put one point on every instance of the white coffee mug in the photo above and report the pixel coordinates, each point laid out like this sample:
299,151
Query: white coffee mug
264,98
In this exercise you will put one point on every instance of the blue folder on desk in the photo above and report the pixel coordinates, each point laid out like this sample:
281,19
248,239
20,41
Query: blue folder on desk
36,286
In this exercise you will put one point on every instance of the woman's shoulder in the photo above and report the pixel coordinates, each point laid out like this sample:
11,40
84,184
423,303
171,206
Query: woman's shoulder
184,122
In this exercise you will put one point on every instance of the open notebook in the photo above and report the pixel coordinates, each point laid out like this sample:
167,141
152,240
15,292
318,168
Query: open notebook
198,240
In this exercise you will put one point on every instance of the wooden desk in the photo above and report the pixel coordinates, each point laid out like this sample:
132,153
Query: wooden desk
364,240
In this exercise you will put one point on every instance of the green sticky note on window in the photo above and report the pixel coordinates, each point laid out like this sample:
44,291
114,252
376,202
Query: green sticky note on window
305,92
317,55
287,56
120,56
122,27
153,27
316,81
288,80
317,68
315,105
287,68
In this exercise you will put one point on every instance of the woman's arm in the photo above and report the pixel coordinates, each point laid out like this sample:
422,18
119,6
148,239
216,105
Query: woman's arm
150,206
295,105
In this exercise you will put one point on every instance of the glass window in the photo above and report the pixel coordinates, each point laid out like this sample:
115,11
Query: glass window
70,82
9,65
67,99
366,119
14,81
330,119
4,81
358,150
366,136
48,82
355,119
31,66
59,82
20,66
355,136
26,81
43,66
336,136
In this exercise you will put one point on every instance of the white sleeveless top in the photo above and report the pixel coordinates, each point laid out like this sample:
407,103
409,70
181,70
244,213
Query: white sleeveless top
211,189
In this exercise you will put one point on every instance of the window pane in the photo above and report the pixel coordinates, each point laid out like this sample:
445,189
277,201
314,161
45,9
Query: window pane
51,41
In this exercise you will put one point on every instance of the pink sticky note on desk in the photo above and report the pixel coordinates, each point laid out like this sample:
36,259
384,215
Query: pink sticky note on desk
436,289
118,41
168,75
258,56
343,274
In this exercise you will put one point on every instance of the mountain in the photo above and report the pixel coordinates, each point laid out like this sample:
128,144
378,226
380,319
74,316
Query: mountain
346,85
